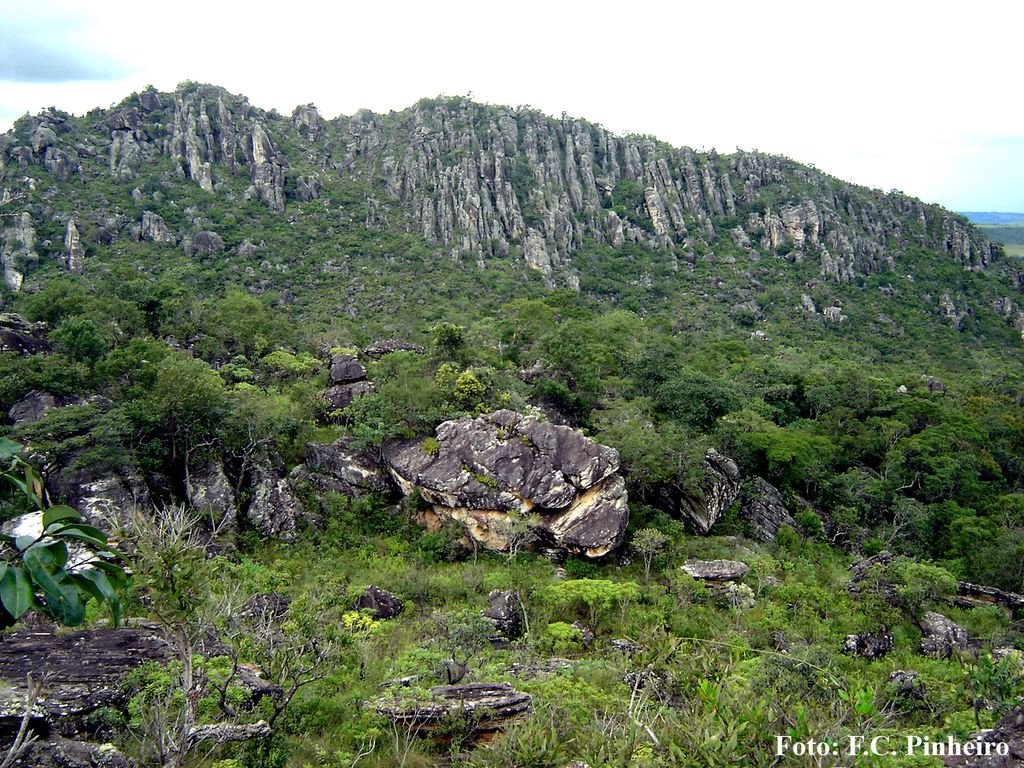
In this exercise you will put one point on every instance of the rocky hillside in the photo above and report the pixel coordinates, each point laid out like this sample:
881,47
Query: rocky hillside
479,182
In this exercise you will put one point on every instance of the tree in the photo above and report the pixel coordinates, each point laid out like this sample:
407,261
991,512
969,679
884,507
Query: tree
37,569
648,542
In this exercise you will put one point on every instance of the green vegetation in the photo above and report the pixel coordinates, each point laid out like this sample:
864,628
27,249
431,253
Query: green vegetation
900,428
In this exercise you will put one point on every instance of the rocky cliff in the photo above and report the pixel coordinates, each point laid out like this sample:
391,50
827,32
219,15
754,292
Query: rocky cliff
479,182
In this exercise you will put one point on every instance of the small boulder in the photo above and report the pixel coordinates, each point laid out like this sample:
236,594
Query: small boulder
341,396
504,610
346,369
206,244
870,645
941,636
378,349
490,706
381,603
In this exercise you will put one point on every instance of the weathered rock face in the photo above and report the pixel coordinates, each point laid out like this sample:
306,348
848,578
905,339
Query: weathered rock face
274,511
74,252
154,228
503,609
489,705
715,570
491,472
870,645
720,488
341,469
762,506
341,396
20,336
346,369
17,249
380,603
32,407
84,672
206,243
62,753
104,500
209,491
941,636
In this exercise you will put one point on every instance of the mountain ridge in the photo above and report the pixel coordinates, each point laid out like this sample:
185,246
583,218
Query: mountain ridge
483,181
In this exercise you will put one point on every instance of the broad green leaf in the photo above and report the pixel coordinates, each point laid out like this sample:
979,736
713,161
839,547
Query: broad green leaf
58,513
24,542
99,585
114,573
8,448
85,533
82,528
60,593
65,602
16,591
59,552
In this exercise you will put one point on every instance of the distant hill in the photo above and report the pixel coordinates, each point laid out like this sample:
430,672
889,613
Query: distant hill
993,217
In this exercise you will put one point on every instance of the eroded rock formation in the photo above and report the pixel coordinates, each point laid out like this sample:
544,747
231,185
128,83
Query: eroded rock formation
502,472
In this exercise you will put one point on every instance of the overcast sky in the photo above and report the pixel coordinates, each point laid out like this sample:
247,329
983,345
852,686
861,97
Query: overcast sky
919,96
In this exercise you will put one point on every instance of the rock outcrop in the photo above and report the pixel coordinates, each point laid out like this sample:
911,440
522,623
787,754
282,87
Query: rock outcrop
31,408
941,636
347,379
380,603
74,251
83,669
17,249
719,489
210,492
762,506
984,750
20,336
870,645
503,608
503,471
489,706
715,570
339,468
274,510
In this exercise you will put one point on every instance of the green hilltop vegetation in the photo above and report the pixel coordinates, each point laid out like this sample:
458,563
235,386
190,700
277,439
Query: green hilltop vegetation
197,262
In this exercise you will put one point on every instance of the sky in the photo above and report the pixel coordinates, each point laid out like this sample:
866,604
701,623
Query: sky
924,97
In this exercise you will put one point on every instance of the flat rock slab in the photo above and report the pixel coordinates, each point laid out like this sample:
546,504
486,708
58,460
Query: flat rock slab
83,671
716,570
490,704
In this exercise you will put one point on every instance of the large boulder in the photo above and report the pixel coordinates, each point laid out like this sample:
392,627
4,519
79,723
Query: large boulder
719,489
495,473
503,608
762,506
339,468
209,491
83,673
715,570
